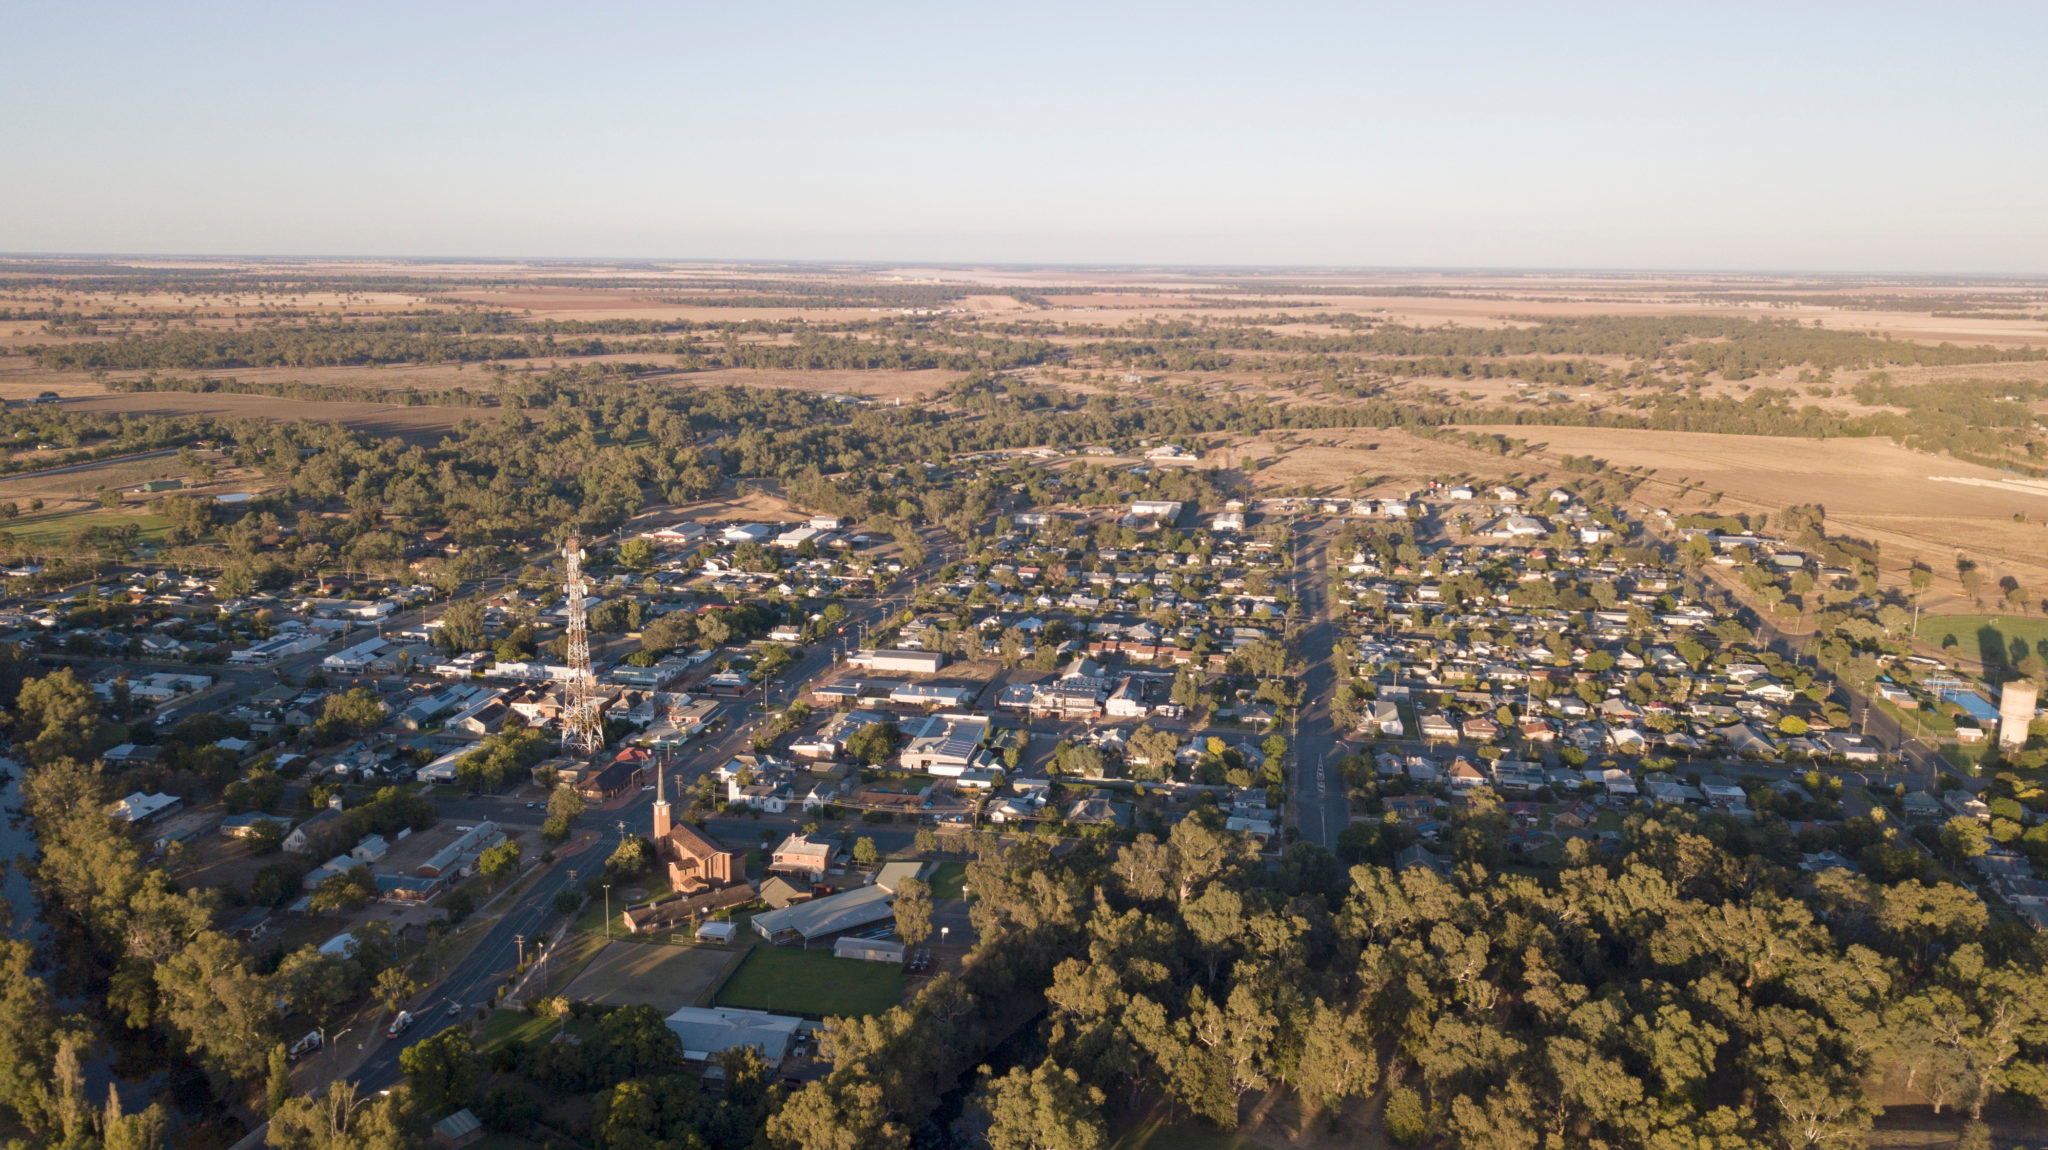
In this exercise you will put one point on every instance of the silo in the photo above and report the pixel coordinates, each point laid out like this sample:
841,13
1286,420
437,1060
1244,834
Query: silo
2016,702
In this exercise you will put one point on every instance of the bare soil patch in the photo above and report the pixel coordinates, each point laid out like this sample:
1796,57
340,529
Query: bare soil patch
416,424
1328,462
649,974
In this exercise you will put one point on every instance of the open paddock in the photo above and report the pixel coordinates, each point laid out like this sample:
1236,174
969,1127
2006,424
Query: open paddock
84,482
1872,489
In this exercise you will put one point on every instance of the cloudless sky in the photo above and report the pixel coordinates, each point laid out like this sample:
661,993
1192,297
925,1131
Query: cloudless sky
1796,136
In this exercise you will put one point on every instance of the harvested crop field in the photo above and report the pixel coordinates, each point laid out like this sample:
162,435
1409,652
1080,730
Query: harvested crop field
417,424
1906,501
1848,476
1329,462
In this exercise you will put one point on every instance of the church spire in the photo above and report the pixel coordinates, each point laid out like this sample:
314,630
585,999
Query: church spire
661,815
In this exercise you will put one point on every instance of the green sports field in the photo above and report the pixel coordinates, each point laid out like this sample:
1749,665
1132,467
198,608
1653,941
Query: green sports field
1978,636
47,529
791,980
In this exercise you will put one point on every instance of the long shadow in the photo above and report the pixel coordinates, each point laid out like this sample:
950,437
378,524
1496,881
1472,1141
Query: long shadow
1991,647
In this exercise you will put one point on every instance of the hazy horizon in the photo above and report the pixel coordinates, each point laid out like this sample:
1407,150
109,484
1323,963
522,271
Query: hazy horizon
1831,140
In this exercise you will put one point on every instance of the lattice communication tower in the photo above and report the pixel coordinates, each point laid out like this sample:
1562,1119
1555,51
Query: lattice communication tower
582,721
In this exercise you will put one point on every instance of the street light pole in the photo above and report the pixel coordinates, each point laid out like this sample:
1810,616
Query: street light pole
607,912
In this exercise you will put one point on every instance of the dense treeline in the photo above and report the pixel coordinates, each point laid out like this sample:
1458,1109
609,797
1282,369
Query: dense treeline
484,338
329,345
1553,352
1736,347
584,449
1681,992
310,392
81,437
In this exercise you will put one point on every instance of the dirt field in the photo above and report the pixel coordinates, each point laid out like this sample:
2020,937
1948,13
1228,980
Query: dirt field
416,424
1870,487
1332,462
83,482
647,974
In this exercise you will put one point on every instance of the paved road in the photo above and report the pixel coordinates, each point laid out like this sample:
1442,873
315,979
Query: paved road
1321,811
474,981
1921,759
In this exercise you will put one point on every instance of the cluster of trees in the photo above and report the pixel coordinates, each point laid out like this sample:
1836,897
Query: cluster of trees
311,392
502,759
625,1086
1673,993
157,981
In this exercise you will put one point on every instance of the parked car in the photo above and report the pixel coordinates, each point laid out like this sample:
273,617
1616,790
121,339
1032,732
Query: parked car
304,1046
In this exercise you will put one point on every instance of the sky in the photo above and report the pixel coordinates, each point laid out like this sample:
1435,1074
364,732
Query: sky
1794,137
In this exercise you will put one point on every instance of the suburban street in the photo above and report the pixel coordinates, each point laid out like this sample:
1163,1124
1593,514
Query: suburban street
473,981
1321,810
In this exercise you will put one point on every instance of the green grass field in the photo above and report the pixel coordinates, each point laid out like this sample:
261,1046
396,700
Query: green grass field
949,880
790,980
517,1025
1966,634
47,528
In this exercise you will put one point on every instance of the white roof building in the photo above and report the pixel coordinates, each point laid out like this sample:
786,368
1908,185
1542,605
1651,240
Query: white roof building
707,1032
140,808
356,659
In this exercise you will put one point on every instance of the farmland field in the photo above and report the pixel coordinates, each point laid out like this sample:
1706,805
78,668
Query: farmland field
790,980
418,424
